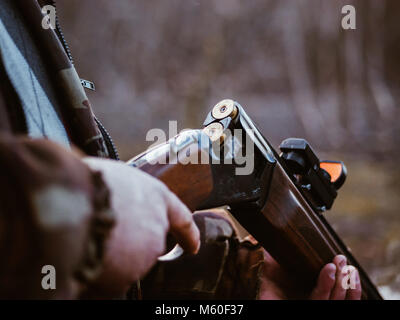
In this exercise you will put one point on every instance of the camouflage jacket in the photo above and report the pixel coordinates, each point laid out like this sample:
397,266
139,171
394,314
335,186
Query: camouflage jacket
40,180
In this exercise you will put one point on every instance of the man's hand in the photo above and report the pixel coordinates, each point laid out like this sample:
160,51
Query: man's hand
145,211
330,283
277,285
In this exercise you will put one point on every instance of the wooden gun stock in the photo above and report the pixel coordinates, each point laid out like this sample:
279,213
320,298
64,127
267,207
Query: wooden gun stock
192,183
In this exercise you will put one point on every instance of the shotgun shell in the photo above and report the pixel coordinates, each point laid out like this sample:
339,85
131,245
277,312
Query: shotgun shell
223,109
214,131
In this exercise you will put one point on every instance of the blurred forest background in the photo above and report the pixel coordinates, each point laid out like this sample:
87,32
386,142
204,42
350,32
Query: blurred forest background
288,62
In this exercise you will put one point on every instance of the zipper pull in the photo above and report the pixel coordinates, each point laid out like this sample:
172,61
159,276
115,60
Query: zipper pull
88,84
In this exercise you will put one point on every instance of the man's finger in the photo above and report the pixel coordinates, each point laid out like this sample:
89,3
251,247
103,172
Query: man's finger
325,283
182,225
339,291
355,294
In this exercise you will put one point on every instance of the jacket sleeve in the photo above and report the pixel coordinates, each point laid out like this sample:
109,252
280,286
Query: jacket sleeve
226,267
54,211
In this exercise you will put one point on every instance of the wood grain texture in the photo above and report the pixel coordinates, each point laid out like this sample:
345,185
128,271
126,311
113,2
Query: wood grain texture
191,182
297,238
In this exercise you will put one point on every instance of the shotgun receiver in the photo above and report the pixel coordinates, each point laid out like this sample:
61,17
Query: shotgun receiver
278,198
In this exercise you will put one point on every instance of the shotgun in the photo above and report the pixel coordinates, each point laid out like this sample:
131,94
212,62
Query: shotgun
278,198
